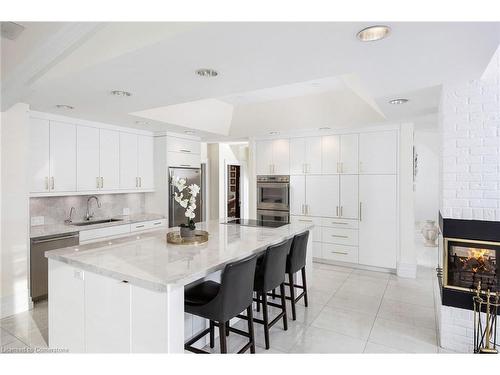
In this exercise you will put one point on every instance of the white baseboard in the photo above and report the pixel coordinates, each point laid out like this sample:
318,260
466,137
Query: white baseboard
407,270
14,304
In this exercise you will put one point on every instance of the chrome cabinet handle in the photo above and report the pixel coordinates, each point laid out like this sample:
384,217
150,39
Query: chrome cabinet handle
336,210
102,182
137,182
341,211
307,209
339,236
334,222
305,221
52,183
339,252
183,150
97,182
360,210
184,165
140,181
157,223
46,183
139,226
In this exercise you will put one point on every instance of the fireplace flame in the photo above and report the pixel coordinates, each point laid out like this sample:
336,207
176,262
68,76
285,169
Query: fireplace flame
477,260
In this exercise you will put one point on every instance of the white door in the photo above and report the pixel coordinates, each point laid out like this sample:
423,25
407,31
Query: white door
378,152
349,153
87,158
297,155
378,230
322,195
128,161
107,315
145,161
263,157
330,154
313,155
62,156
39,152
281,156
110,159
297,195
349,204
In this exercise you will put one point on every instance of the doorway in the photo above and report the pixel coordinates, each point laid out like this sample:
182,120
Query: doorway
233,191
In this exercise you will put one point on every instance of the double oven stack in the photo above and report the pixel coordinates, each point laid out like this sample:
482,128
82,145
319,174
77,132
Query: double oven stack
273,198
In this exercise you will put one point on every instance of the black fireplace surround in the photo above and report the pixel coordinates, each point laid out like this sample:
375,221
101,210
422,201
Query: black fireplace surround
469,254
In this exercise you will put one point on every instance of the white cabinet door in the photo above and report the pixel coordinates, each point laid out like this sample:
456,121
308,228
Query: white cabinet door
145,161
297,155
322,195
107,314
281,156
109,145
349,204
187,146
297,195
330,154
62,156
313,155
264,157
349,153
378,230
39,153
87,158
378,152
128,161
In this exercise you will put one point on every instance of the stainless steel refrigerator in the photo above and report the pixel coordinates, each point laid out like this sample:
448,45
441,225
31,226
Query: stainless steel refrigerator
175,211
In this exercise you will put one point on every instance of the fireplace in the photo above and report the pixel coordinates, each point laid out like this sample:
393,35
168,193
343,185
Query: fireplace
470,262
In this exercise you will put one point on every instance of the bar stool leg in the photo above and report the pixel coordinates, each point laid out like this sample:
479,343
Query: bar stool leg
212,334
292,295
250,329
274,293
222,337
227,328
304,284
258,302
283,306
266,319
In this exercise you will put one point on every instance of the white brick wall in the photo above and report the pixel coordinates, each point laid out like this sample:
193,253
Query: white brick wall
470,133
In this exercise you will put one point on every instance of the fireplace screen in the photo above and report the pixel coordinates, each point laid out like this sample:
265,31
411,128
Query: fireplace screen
470,262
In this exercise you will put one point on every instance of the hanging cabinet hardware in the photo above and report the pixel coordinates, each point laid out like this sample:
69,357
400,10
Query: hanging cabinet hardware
339,236
102,182
341,211
183,150
52,183
97,182
338,252
46,183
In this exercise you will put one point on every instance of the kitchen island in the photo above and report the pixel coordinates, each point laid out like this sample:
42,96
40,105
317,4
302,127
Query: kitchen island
127,294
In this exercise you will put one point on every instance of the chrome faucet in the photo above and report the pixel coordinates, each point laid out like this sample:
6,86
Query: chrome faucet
69,220
89,215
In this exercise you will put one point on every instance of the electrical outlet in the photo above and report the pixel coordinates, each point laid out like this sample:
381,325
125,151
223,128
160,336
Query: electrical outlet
126,211
37,220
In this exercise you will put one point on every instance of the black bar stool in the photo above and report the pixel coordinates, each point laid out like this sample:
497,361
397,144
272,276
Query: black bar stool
221,302
270,274
296,261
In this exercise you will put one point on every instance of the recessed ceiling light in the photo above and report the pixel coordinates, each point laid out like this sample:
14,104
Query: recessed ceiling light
140,122
373,33
120,93
190,132
64,106
398,101
274,133
207,72
325,128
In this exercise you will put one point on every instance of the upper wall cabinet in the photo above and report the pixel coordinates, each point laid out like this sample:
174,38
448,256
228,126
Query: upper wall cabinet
378,152
62,157
128,161
87,156
109,151
39,156
305,155
183,152
340,154
145,161
273,157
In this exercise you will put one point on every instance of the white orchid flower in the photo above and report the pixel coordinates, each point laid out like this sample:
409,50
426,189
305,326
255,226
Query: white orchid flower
194,189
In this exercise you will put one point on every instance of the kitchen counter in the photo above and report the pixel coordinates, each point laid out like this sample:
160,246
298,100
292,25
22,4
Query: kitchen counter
148,261
61,228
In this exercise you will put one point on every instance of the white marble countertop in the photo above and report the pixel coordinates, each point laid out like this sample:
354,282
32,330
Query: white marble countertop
148,261
61,228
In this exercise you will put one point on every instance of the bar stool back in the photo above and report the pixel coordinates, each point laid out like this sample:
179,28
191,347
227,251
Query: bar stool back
295,262
221,302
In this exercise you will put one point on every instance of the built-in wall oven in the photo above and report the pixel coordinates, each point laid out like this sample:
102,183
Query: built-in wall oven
273,198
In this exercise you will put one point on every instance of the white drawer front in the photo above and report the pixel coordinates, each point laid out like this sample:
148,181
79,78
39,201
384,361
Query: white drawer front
178,159
340,223
186,146
146,225
340,253
91,234
340,236
316,231
317,250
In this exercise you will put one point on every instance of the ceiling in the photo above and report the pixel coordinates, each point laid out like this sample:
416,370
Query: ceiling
275,63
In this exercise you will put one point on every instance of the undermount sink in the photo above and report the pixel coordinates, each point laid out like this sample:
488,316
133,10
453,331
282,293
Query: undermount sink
92,222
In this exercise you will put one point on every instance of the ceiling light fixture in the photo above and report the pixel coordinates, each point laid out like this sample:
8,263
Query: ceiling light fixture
398,101
120,93
205,72
189,132
64,106
374,33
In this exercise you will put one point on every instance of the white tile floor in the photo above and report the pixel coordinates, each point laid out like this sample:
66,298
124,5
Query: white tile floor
350,311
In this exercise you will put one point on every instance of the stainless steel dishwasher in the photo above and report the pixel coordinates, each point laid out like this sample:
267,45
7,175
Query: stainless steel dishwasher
39,266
